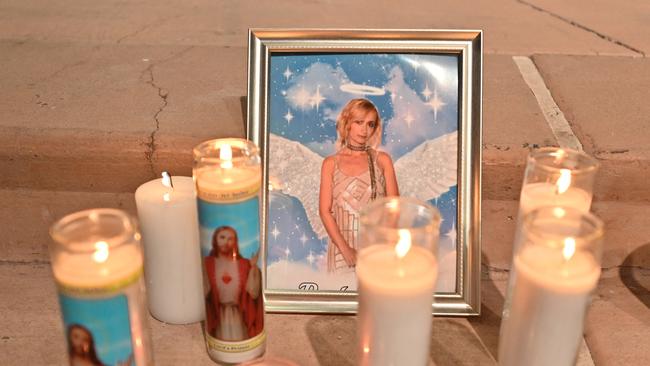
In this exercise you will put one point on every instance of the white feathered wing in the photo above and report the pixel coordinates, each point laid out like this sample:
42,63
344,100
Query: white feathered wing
295,170
429,170
426,172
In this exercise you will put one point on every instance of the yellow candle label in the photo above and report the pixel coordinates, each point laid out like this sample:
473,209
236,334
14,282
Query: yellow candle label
94,290
228,196
236,347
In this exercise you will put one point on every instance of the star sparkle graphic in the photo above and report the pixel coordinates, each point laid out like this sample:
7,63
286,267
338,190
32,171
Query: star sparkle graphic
288,116
275,232
287,73
436,104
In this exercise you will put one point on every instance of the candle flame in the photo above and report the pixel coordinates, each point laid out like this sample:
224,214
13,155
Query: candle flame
559,212
404,244
225,154
569,248
101,252
366,349
564,181
559,155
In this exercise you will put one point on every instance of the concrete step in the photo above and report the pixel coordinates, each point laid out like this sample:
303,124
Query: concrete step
110,118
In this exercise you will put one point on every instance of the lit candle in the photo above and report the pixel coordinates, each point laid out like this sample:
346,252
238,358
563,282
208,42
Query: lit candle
228,180
558,193
554,177
170,234
555,275
396,284
97,265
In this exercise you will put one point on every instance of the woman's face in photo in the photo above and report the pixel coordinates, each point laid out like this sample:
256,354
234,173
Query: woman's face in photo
225,241
362,125
80,340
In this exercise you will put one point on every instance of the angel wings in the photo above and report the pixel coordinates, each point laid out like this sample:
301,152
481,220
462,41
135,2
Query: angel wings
425,172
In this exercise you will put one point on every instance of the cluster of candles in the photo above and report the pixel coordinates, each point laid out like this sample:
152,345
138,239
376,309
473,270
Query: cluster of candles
98,264
556,266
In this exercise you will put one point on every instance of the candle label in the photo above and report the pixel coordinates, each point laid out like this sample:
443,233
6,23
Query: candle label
230,245
97,323
229,196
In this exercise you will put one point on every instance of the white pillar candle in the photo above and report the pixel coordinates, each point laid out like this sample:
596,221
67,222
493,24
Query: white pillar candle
395,305
170,233
97,265
549,300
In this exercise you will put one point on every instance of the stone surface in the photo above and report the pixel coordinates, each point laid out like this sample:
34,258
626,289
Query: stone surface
31,213
108,118
35,337
511,27
626,22
188,100
512,125
618,321
601,99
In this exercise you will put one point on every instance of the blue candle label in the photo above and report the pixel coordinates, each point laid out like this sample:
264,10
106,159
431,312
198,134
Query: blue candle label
98,331
230,245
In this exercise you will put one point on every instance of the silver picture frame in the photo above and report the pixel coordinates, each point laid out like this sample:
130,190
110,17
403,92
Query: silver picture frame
466,46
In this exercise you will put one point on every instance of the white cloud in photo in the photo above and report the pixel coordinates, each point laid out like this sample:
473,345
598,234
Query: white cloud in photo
320,78
412,118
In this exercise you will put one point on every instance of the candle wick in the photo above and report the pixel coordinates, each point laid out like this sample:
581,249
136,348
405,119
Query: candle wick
167,177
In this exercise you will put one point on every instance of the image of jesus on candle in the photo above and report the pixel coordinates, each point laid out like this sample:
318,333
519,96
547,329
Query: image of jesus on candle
235,307
81,347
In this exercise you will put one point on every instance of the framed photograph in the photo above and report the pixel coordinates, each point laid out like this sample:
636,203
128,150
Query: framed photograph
345,116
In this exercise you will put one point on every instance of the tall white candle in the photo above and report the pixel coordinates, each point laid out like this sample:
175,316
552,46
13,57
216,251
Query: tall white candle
549,301
395,305
170,233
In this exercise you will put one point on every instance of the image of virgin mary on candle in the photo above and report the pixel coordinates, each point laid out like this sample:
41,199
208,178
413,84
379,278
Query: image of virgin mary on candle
413,152
234,309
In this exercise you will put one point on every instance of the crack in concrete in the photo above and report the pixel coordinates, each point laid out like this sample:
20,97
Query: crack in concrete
163,95
585,28
145,27
151,144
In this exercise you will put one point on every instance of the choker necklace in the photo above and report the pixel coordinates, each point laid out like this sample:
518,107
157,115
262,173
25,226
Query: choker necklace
357,148
371,168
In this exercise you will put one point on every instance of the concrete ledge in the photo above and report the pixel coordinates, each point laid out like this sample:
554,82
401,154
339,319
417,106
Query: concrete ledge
602,100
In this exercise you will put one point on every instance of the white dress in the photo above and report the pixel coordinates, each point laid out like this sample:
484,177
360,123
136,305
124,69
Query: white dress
349,195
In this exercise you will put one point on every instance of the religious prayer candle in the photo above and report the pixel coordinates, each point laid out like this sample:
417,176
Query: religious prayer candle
97,266
396,272
170,234
557,268
228,179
